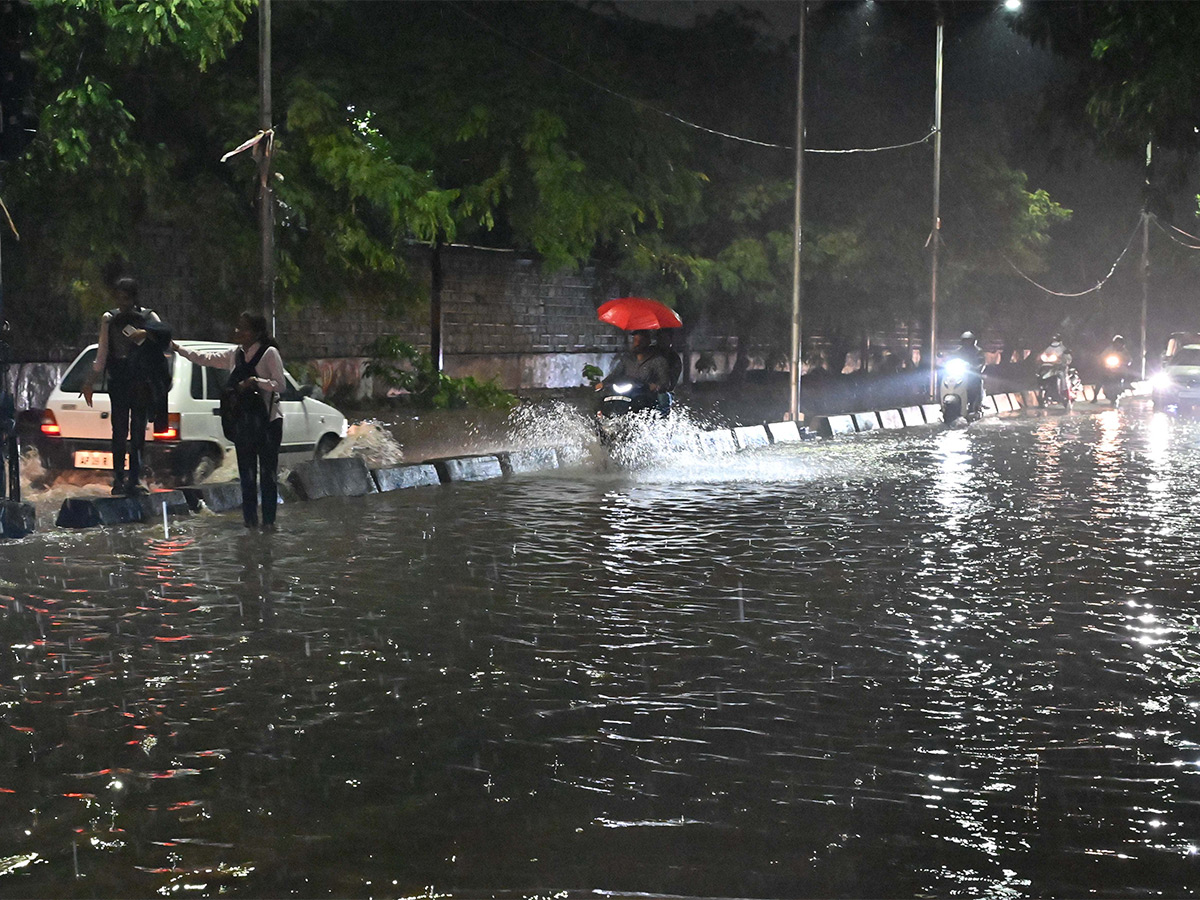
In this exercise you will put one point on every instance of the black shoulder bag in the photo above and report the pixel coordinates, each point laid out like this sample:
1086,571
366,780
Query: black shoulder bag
243,413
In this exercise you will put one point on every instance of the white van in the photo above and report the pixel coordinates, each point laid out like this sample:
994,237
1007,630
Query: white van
76,436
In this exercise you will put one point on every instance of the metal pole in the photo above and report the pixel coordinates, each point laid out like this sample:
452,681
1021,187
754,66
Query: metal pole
266,210
1145,273
935,235
796,244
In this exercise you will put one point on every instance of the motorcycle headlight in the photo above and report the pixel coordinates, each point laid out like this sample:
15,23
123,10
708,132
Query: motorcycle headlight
1112,361
1049,357
956,368
623,387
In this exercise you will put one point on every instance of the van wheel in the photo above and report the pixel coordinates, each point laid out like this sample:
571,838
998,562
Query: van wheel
325,446
205,466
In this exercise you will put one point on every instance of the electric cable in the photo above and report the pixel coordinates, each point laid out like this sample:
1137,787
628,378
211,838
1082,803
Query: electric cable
670,115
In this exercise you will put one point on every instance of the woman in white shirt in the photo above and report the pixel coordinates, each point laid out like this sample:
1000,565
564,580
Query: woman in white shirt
255,364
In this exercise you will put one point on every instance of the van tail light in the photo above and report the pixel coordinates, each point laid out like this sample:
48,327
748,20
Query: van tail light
50,424
172,431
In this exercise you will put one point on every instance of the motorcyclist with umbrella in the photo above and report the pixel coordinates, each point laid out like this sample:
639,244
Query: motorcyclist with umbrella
642,364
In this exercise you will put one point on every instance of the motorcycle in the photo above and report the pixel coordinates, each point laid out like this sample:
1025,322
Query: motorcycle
1057,382
958,376
619,400
1116,379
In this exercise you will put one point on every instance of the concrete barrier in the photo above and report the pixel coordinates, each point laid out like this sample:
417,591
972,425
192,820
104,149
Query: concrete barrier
933,412
1031,399
219,497
1089,392
467,468
345,476
784,432
912,415
989,405
394,478
890,418
1017,401
16,519
719,440
748,436
865,421
533,459
88,512
1003,403
840,425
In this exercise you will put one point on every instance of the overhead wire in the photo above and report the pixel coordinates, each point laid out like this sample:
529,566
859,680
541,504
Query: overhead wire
1175,239
670,115
1099,284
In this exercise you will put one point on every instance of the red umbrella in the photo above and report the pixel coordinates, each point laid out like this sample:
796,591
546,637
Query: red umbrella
638,314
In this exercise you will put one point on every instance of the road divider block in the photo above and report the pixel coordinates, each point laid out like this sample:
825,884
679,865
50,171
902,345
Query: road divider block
912,415
221,496
1016,400
1031,398
394,478
532,459
16,519
468,468
890,418
932,412
865,421
784,432
751,436
719,440
89,512
344,476
1003,404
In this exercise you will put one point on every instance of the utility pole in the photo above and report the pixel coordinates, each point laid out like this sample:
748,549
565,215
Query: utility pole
266,208
935,234
797,242
1145,268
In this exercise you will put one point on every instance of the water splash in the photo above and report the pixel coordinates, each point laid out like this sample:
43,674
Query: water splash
371,440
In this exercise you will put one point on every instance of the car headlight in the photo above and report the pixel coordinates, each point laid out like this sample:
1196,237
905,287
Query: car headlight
623,387
1112,361
1161,381
956,368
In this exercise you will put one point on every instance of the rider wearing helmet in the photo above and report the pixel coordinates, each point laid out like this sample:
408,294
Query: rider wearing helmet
1059,356
969,352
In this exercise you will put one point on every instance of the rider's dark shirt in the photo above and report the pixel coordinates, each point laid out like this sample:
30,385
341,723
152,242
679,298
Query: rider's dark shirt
651,370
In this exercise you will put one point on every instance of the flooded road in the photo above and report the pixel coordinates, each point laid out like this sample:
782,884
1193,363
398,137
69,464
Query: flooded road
943,663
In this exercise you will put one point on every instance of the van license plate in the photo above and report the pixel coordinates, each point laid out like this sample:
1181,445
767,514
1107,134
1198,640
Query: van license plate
94,459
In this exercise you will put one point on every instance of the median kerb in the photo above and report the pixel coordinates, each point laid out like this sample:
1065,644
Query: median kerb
719,440
912,416
393,478
865,421
220,496
932,411
468,468
16,519
891,418
345,476
528,459
751,436
784,432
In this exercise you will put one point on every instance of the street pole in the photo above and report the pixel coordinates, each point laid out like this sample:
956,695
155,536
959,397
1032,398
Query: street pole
935,234
1145,268
266,209
796,244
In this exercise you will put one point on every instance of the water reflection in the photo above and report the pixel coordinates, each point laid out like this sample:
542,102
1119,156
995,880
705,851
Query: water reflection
939,664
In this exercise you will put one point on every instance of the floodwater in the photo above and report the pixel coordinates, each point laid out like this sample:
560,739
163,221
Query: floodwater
942,663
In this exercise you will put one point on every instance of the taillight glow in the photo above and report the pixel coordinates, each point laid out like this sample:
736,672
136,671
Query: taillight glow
172,432
50,424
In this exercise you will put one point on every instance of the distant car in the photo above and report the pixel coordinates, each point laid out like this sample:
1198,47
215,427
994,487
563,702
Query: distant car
76,436
1177,384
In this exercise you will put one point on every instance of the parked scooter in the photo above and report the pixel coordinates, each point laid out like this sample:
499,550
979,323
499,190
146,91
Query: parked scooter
1117,376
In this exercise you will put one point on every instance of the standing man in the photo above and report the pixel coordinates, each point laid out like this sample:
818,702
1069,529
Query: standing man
132,340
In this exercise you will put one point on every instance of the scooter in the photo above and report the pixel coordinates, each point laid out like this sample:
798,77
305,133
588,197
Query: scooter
958,376
1054,385
619,400
1116,376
